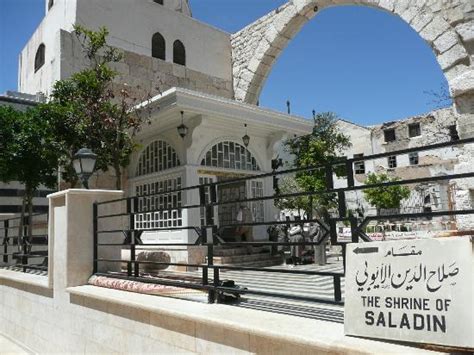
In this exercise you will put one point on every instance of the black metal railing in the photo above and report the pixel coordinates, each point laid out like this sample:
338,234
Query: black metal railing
209,235
24,243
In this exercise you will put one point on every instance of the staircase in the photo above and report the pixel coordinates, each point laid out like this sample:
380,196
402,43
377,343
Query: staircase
241,256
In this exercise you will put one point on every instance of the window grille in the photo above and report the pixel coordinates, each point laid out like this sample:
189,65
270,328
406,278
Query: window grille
205,180
39,57
148,216
230,155
414,130
179,53
158,46
414,159
157,156
256,190
392,162
359,166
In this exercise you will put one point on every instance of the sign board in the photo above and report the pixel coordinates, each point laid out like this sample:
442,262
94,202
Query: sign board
411,290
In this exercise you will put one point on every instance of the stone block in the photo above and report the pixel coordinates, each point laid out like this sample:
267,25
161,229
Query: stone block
446,41
454,15
434,29
388,5
421,20
463,84
455,71
453,56
409,14
466,31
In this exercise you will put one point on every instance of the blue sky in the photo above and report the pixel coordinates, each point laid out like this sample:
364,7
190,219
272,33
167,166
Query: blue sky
366,65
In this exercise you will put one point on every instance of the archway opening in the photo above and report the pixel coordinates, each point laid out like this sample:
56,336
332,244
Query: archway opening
365,64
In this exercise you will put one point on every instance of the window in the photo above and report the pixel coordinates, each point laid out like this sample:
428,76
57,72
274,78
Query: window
39,57
359,166
179,53
158,46
257,207
158,1
207,196
50,4
230,155
414,130
157,156
413,158
392,161
150,208
453,133
389,135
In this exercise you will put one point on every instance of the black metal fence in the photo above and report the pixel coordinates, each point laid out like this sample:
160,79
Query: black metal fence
24,243
142,215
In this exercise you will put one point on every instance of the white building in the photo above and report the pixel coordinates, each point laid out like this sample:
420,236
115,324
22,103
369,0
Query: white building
214,78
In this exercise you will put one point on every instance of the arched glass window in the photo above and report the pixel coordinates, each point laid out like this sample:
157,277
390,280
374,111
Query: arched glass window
157,156
179,53
50,4
39,57
158,46
230,155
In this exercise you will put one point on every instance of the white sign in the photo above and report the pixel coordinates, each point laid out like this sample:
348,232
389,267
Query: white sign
411,290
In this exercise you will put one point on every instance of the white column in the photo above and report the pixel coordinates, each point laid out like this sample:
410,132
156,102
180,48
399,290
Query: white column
71,235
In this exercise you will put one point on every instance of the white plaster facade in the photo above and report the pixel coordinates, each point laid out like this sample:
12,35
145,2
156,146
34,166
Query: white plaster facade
224,74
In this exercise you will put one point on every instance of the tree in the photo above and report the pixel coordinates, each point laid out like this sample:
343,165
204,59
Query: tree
385,197
87,110
323,146
28,154
289,185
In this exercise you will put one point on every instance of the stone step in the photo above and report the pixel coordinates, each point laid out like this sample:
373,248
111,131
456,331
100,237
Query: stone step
231,251
271,261
231,259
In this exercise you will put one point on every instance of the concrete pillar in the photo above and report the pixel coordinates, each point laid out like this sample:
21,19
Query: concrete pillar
71,235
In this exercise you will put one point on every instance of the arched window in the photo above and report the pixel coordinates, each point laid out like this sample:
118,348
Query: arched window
179,52
50,4
230,155
39,57
158,46
157,156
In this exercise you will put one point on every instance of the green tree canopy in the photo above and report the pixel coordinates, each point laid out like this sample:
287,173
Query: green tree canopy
87,110
385,196
323,146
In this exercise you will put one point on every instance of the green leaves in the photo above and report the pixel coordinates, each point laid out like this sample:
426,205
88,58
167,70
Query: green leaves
323,146
385,196
27,148
87,110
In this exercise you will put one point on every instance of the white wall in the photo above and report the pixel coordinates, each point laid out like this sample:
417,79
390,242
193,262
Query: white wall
132,24
60,16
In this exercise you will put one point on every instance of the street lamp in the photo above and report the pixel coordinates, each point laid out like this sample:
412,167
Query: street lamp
246,138
182,128
84,164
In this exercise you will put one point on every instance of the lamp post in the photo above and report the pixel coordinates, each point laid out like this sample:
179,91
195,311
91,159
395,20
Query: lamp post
84,164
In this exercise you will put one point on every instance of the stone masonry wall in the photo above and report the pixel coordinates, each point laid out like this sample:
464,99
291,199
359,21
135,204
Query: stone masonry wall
446,25
144,75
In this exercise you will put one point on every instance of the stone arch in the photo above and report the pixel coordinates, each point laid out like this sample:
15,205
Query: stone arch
444,27
251,161
157,156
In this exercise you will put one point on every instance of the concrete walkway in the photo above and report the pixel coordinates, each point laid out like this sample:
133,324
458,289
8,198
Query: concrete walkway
9,347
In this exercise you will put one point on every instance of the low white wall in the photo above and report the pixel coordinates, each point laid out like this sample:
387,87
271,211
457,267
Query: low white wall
61,314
